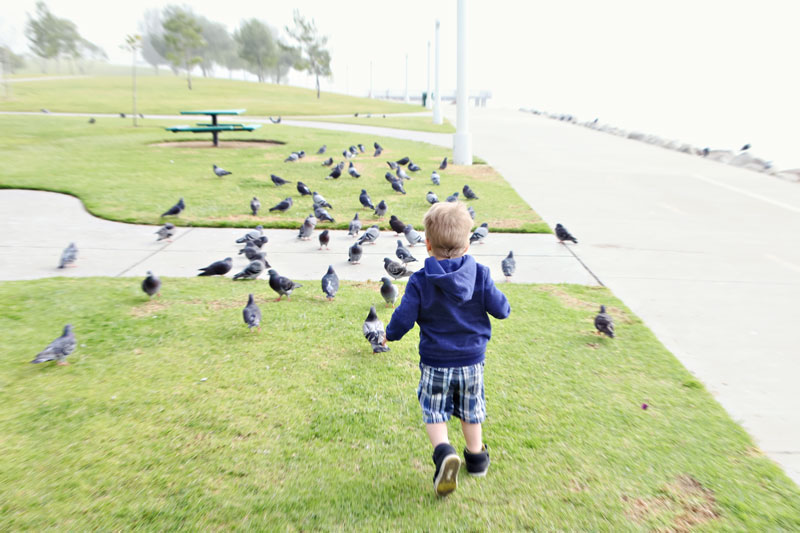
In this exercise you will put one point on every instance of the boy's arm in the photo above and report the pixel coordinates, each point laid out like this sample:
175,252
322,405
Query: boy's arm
496,302
405,315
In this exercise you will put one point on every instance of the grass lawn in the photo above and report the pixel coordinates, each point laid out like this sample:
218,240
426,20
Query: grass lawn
416,123
173,416
167,94
121,174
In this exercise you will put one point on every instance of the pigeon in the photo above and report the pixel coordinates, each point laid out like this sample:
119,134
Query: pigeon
328,162
277,180
469,193
395,269
252,314
282,206
480,233
320,200
443,165
275,120
68,256
307,228
471,212
403,254
335,173
219,171
255,205
392,165
398,186
352,171
45,111
378,152
165,232
604,323
282,285
370,235
564,235
742,149
353,150
217,268
250,251
347,154
303,189
509,265
254,269
381,209
121,115
401,174
294,156
251,235
396,224
413,167
354,253
361,148
388,291
403,161
151,284
330,283
355,226
322,214
175,210
391,178
431,197
324,239
59,349
365,200
412,236
323,149
374,332
377,146
435,178
453,197
92,120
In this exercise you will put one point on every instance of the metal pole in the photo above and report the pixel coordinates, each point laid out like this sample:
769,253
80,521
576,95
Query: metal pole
462,140
133,63
437,102
428,86
405,98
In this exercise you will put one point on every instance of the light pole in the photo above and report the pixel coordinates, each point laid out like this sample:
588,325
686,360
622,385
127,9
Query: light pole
428,85
133,43
437,102
462,140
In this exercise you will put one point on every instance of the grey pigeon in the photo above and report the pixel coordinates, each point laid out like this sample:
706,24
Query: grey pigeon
319,199
453,197
323,214
275,120
354,253
277,180
324,239
388,291
250,251
564,235
403,254
219,171
353,171
398,186
401,174
480,233
251,235
254,269
381,209
374,332
303,189
365,200
377,146
469,193
353,150
392,165
282,285
413,236
355,226
255,205
252,313
307,228
361,148
604,323
471,212
282,206
391,178
403,161
370,235
435,178
396,224
413,167
509,265
175,210
328,162
330,283
92,120
335,173
322,149
443,165
378,152
217,268
68,256
395,269
59,349
431,197
151,284
258,242
294,156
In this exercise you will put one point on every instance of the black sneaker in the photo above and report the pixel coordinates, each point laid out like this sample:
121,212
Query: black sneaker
477,463
445,479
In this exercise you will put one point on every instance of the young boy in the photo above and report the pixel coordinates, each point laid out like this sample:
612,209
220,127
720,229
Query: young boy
449,298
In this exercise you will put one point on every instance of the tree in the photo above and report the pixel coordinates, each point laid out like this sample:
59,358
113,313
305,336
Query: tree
154,48
183,39
133,43
219,44
53,37
11,61
287,58
313,57
256,46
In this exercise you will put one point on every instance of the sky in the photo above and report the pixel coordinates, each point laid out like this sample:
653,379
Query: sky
709,72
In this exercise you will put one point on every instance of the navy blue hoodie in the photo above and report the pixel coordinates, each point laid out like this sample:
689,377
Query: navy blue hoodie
449,299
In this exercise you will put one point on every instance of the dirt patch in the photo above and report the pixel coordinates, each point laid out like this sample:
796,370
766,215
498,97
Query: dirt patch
483,173
686,498
255,143
148,308
567,300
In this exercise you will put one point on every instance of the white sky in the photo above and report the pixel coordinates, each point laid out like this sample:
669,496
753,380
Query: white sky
711,72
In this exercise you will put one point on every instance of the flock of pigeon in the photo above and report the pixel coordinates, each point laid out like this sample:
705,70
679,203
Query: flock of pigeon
254,240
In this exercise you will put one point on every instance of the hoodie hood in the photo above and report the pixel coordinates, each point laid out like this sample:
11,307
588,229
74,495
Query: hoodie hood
454,277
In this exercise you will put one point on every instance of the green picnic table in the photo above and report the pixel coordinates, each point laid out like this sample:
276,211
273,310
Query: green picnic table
215,127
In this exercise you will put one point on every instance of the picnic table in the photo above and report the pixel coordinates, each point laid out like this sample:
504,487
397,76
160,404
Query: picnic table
214,127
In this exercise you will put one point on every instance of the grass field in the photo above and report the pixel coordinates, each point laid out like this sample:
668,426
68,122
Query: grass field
167,95
172,416
122,174
418,123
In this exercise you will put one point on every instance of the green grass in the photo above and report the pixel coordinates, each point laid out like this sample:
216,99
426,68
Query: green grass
300,427
167,95
119,174
415,123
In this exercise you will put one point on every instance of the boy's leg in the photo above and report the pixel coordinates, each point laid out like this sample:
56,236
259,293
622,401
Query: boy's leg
437,433
437,406
471,409
473,434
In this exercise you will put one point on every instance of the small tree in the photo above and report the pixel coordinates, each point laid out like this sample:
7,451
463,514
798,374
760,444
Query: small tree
154,48
287,58
218,44
183,39
44,33
133,43
313,57
256,46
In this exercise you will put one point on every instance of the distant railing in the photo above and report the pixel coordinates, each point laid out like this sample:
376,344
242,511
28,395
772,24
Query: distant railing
479,97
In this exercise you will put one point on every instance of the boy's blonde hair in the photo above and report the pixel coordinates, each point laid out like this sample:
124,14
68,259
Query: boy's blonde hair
447,228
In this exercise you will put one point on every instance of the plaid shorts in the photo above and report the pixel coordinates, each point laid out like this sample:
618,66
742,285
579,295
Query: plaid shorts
457,391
